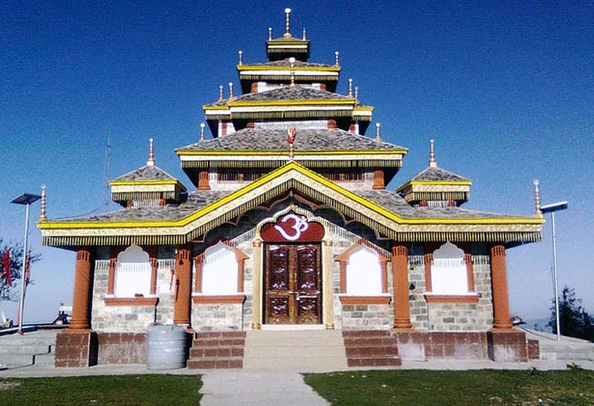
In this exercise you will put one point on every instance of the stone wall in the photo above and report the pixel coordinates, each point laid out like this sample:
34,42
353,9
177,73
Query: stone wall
217,317
132,319
451,316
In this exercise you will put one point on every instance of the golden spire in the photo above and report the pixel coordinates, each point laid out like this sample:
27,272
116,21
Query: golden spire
202,125
350,87
240,54
42,216
220,92
292,60
287,33
230,90
304,37
151,157
432,162
357,94
336,54
378,137
538,211
269,33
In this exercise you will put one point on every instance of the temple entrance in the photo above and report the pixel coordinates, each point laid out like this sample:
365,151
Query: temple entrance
292,284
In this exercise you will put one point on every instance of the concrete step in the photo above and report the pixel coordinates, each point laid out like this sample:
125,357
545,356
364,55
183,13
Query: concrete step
25,349
306,350
45,360
15,360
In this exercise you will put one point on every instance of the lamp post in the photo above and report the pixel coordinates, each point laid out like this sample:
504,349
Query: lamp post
552,208
25,199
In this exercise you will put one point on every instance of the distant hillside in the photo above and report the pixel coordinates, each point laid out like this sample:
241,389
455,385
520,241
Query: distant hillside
539,324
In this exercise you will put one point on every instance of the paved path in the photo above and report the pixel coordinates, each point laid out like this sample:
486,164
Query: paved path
237,387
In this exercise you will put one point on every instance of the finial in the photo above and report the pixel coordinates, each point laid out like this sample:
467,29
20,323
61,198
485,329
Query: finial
538,211
230,90
432,162
287,33
151,158
350,87
336,58
357,93
240,53
292,61
269,33
378,137
42,216
304,38
221,92
202,125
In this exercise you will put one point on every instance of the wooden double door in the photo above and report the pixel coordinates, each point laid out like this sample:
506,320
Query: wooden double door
292,284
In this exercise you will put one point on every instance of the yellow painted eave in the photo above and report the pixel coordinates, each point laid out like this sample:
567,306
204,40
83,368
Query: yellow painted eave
46,225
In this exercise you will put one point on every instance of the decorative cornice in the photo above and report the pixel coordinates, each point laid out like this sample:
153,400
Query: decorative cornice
290,177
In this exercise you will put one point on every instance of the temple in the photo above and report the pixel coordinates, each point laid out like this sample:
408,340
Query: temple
286,224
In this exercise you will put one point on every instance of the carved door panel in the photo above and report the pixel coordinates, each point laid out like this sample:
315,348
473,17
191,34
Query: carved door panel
292,284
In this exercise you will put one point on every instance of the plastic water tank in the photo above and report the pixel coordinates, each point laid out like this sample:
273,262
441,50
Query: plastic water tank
165,347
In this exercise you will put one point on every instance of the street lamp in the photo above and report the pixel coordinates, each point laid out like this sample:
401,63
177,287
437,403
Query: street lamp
25,199
552,208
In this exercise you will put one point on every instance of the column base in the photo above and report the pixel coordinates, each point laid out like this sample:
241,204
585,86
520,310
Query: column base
507,345
76,348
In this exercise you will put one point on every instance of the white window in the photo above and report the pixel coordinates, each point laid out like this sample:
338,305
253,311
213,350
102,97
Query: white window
449,272
219,270
363,272
132,273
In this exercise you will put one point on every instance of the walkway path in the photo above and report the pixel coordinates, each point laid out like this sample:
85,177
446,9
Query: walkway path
237,387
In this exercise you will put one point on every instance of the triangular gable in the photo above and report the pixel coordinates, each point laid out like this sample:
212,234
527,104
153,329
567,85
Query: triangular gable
295,177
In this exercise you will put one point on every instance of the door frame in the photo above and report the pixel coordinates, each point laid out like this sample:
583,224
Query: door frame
293,270
327,264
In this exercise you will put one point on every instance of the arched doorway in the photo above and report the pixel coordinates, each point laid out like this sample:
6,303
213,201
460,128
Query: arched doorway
292,277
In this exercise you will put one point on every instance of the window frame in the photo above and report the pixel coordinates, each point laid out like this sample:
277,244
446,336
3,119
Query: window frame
345,297
443,297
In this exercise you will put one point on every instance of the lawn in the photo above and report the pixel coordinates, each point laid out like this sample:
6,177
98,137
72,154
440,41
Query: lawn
102,390
487,387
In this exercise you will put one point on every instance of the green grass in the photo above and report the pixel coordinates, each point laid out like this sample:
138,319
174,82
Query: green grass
102,390
487,387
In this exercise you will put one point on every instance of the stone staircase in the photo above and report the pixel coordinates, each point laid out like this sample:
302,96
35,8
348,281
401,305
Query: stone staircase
566,349
32,348
371,348
217,350
303,350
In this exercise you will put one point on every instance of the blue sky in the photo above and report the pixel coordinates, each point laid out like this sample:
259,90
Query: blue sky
506,89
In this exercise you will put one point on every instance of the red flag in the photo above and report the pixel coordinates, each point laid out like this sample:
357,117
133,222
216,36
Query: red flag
6,265
292,133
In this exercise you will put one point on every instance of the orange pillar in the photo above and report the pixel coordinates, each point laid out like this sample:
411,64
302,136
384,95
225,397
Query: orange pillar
183,276
501,316
400,277
82,291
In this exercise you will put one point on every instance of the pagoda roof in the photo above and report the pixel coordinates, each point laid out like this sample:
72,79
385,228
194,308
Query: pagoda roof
254,139
434,173
145,173
295,92
384,211
286,63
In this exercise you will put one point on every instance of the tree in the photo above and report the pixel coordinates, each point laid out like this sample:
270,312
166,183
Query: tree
8,292
573,318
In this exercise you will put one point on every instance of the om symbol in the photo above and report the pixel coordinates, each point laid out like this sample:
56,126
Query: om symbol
300,225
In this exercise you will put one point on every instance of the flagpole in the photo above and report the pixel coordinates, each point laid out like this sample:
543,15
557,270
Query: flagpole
25,255
25,199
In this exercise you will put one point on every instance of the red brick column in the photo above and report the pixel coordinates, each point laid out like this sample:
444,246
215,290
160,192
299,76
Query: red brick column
82,291
501,316
183,276
203,182
400,277
378,179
